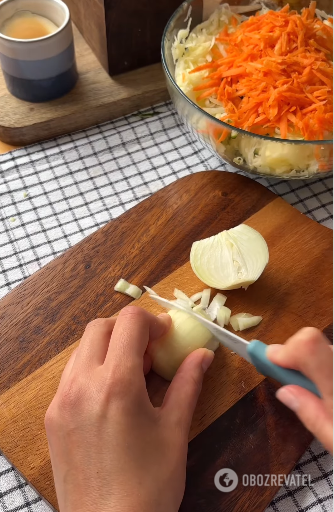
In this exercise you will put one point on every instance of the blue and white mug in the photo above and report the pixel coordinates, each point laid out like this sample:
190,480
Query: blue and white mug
41,69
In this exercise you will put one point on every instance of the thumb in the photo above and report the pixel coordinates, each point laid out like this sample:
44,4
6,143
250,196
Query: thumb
182,395
311,411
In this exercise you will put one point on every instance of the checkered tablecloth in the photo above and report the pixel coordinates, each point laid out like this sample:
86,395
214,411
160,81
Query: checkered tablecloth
55,193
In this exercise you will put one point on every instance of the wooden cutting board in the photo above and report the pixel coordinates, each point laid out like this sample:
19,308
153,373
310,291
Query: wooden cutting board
95,99
238,422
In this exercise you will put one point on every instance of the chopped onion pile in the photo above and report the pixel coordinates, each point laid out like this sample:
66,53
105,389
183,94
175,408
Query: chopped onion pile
232,259
215,311
128,289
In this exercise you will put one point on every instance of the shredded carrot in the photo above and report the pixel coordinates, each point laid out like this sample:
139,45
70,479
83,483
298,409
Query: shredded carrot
275,64
284,126
312,8
312,107
327,81
206,85
224,134
203,66
208,93
234,20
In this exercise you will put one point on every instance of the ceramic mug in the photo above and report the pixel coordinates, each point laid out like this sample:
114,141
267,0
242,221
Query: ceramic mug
41,69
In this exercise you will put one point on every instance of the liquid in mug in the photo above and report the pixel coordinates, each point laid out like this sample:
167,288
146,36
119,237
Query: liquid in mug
27,25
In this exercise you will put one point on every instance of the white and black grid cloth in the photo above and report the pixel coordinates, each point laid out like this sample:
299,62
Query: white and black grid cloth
55,193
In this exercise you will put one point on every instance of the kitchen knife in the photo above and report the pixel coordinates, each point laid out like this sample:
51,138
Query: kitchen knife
254,351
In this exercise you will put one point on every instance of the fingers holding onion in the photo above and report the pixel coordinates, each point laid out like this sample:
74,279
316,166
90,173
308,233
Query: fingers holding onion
185,335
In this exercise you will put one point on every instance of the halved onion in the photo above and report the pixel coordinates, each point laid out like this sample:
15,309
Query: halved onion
232,259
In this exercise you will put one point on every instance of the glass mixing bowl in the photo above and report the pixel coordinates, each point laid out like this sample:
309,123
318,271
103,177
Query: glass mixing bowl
241,149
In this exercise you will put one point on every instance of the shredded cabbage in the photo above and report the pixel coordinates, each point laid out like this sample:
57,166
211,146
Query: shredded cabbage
191,49
275,158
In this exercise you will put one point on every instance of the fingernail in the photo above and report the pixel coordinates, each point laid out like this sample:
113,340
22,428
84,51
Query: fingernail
165,317
207,359
273,350
288,397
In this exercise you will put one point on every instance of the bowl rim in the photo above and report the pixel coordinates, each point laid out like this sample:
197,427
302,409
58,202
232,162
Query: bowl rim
182,7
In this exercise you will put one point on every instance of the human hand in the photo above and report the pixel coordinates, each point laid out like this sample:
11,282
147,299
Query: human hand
309,352
110,449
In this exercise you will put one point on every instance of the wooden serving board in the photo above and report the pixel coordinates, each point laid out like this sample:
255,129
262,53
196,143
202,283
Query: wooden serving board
95,99
238,422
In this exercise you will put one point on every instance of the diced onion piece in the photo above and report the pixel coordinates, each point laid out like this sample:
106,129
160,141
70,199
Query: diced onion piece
223,316
232,259
199,311
150,291
128,289
252,321
121,286
134,291
180,295
185,335
243,321
197,296
205,299
217,302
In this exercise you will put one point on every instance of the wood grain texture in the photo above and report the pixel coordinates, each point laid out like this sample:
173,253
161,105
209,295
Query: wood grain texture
270,441
89,17
53,316
95,99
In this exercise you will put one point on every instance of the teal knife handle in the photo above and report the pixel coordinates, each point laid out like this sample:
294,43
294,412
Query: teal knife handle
258,354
